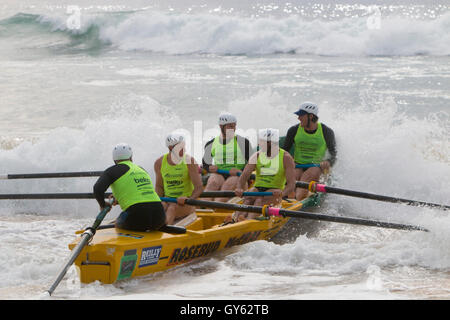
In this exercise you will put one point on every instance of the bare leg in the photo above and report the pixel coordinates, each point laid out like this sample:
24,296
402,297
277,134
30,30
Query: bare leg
309,175
241,215
229,185
175,211
261,201
215,182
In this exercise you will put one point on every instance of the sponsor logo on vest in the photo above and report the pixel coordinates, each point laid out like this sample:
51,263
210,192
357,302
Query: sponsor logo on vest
246,237
168,175
180,255
142,180
150,256
174,183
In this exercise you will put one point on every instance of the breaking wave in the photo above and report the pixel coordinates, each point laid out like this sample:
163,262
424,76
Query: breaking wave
205,33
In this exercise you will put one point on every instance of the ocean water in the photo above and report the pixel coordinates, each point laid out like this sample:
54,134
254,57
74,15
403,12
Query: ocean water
78,77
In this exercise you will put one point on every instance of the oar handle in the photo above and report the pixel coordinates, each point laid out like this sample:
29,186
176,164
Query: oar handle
307,165
221,171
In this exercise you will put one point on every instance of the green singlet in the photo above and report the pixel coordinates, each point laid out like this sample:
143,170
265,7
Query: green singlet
177,182
227,156
309,148
135,186
270,172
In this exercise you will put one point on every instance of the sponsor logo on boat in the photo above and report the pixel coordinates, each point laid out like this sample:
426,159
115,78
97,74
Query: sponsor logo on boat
130,235
180,255
150,256
127,264
246,237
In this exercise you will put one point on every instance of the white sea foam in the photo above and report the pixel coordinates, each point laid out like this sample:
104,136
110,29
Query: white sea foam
180,33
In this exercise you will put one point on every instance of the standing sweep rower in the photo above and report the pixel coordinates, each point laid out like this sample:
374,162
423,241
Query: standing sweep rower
177,176
133,190
227,151
311,140
274,173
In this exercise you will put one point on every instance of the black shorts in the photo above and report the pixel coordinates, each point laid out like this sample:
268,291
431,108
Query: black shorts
142,217
263,189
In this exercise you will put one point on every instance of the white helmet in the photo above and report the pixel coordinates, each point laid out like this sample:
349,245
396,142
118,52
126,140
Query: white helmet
174,139
226,118
122,151
269,134
308,107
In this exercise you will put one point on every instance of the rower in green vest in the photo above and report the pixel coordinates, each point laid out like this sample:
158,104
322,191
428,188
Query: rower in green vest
177,176
274,173
311,140
133,190
229,152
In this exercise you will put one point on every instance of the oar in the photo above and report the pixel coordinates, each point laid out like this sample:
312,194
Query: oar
85,238
40,196
271,211
59,196
307,165
302,166
230,194
51,175
315,187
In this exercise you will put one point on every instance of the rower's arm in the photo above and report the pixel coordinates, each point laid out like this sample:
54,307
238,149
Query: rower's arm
108,177
289,140
195,178
249,168
289,168
330,140
159,183
207,158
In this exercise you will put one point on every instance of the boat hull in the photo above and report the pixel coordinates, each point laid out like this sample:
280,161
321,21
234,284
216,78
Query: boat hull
117,254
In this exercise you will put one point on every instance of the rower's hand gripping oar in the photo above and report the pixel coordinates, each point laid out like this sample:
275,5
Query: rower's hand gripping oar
87,235
271,211
316,187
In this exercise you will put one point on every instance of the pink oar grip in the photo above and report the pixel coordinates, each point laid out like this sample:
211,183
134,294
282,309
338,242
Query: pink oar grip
274,211
320,188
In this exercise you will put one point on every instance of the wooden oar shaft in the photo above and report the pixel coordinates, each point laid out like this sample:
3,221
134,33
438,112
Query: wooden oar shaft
298,214
51,175
327,189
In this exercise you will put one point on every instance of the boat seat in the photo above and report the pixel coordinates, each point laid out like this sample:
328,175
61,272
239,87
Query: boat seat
173,229
184,222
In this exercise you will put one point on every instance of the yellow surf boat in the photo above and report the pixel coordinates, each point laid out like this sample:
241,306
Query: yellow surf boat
116,254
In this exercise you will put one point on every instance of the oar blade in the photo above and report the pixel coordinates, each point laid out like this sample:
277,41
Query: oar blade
315,187
85,238
341,219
